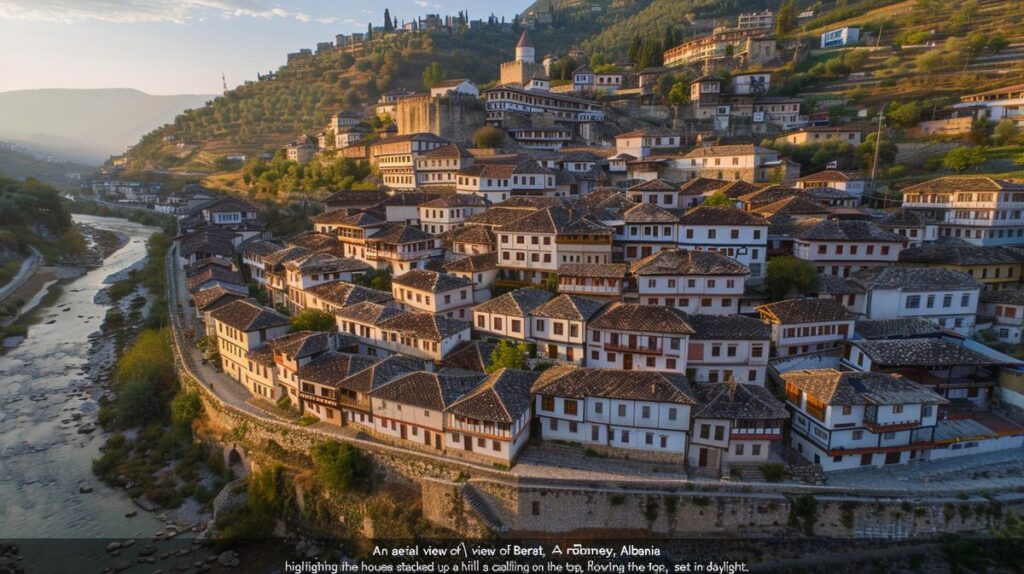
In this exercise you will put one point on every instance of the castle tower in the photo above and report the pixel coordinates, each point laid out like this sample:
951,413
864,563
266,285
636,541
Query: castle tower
524,49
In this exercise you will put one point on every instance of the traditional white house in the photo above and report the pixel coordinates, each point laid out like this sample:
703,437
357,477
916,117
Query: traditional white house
738,234
948,298
456,86
353,391
241,327
441,166
411,408
401,247
318,383
481,270
734,425
433,292
639,337
592,279
647,229
806,325
526,247
979,210
845,420
507,316
727,348
841,247
448,212
647,141
1006,310
560,327
620,412
492,420
383,331
315,269
705,282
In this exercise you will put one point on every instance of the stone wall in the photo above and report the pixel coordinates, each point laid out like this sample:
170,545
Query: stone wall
454,117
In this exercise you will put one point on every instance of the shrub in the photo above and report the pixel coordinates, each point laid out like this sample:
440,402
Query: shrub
773,471
342,467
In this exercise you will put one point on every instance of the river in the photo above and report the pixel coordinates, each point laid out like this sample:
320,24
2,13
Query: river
43,458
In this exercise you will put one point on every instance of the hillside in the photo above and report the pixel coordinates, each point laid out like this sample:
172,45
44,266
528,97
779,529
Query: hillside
85,125
20,165
31,213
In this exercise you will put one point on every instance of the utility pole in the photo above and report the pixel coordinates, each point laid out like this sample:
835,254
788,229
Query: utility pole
878,147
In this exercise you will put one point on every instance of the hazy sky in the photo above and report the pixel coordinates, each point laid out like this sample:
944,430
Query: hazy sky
183,46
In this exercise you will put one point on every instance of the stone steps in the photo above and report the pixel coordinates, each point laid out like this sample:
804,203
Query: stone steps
483,510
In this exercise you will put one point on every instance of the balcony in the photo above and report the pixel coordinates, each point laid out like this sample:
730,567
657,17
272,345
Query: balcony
879,427
641,349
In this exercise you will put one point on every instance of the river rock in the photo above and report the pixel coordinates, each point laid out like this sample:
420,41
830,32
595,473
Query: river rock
226,558
147,550
131,514
113,546
122,566
84,489
127,543
86,429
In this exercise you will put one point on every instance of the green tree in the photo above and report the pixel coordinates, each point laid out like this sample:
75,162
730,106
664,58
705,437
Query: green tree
551,282
963,159
489,137
979,134
718,199
786,18
679,94
1006,132
886,151
342,467
314,320
508,355
432,75
787,275
905,115
388,27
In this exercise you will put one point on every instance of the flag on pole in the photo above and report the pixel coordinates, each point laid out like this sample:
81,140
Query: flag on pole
834,164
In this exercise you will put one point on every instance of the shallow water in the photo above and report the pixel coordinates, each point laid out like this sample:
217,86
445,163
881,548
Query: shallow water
43,458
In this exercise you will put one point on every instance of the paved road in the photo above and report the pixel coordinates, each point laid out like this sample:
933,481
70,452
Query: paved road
28,268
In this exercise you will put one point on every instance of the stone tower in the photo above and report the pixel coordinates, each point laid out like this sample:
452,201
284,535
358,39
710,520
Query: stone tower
524,50
525,65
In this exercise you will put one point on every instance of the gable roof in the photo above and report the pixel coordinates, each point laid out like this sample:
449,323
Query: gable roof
809,310
575,382
331,368
216,296
737,401
846,230
616,270
399,233
549,220
832,387
434,391
721,216
301,344
473,263
431,281
728,327
920,352
343,293
470,356
380,374
502,397
570,307
642,318
914,279
951,184
649,213
688,262
519,302
369,313
247,317
901,328
427,326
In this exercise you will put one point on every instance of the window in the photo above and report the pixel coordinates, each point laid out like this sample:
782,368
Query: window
622,410
734,234
515,325
897,409
965,300
497,323
599,408
739,449
719,432
913,302
645,412
569,407
547,403
847,409
649,438
705,431
930,301
558,327
755,450
947,300
540,325
889,435
858,434
926,411
672,413
712,234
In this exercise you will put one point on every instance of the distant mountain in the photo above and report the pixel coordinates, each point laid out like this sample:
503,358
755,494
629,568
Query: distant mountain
86,125
62,175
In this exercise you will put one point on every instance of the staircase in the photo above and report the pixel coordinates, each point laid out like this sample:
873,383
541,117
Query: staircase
482,509
803,470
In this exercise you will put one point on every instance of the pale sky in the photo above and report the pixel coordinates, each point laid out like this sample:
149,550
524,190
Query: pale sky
183,46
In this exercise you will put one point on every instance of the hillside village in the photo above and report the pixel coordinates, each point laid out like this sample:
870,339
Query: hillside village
675,262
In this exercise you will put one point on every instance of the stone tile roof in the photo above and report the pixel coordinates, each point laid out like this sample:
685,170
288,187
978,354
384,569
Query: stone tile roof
475,234
362,219
727,150
431,281
828,194
737,401
301,344
809,310
831,176
835,285
489,170
642,318
740,188
262,355
702,186
369,313
380,373
211,241
575,382
649,213
904,218
517,303
260,247
473,263
960,255
901,328
793,205
213,297
425,326
433,391
503,397
312,240
616,270
396,233
325,263
586,226
653,185
722,216
408,199
450,151
331,368
953,184
248,317
550,220
214,273
532,201
343,294
914,279
283,256
1003,297
470,356
497,217
688,262
845,230
836,388
924,352
457,200
569,307
728,327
